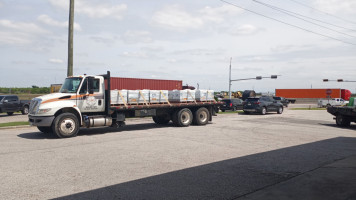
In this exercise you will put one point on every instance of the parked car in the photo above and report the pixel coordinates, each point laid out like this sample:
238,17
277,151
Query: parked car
282,100
231,104
332,102
262,105
11,104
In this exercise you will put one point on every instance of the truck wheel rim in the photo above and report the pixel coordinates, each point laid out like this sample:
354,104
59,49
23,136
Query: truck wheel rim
67,126
25,110
185,118
203,116
263,110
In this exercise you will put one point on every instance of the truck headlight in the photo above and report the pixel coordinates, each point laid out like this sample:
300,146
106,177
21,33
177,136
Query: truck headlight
42,111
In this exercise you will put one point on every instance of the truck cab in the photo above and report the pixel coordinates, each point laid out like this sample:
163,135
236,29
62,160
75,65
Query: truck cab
79,95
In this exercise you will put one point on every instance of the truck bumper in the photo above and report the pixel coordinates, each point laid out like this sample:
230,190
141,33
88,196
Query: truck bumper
41,121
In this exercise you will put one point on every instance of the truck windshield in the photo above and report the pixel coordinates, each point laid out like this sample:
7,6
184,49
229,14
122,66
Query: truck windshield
70,85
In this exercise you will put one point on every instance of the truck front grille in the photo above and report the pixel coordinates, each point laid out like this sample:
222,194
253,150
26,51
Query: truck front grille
35,103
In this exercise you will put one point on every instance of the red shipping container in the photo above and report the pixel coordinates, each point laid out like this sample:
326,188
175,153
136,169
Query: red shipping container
120,83
307,93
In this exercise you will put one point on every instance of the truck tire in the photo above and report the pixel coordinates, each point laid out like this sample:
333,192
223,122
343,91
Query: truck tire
24,111
280,110
182,117
65,125
161,119
45,129
10,113
342,121
263,111
201,116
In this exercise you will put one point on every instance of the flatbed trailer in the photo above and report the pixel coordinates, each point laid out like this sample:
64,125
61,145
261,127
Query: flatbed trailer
89,105
343,115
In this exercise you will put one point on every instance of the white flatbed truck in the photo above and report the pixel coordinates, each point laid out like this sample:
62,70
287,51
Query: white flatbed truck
84,101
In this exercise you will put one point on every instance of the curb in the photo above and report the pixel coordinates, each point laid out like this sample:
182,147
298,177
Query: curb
13,127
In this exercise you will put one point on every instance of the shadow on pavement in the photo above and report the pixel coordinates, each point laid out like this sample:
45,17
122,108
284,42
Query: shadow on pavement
234,178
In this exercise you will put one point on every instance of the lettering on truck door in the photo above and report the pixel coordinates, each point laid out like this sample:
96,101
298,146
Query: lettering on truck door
91,102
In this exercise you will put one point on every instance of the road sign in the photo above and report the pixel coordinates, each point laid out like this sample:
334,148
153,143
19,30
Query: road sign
328,91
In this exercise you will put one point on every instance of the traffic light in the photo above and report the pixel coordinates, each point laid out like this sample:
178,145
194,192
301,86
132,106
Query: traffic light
274,76
340,80
258,77
325,80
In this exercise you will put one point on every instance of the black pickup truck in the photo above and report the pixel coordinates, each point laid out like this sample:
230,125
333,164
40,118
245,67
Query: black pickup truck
11,104
343,115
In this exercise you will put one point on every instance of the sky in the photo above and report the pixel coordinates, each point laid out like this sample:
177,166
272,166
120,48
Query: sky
304,41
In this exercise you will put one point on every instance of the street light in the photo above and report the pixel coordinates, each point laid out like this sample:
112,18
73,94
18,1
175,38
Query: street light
244,79
337,80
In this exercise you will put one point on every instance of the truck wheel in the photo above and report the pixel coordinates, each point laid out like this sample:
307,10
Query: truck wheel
10,113
161,119
201,116
342,121
182,117
263,111
66,125
44,129
234,109
24,111
280,110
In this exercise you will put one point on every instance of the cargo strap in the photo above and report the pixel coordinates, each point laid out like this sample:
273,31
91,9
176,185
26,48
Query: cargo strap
191,96
122,97
144,99
164,96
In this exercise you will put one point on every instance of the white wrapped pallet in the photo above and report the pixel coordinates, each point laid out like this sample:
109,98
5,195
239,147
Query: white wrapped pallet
144,96
181,95
155,96
201,95
163,97
138,96
118,96
210,95
132,96
190,95
113,96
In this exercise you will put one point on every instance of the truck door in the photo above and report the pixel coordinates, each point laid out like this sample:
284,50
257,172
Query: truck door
9,104
91,101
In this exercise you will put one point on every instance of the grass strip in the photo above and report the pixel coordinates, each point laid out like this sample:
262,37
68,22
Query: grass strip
231,112
14,124
307,108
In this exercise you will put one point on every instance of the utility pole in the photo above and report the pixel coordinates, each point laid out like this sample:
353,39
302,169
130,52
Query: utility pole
70,39
230,79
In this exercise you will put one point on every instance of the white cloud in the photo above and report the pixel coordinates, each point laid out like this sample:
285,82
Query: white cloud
21,26
217,14
94,10
246,29
336,6
137,37
56,61
135,54
49,21
175,17
19,33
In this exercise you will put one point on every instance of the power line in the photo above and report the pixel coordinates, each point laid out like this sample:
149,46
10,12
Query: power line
310,31
316,19
288,13
324,12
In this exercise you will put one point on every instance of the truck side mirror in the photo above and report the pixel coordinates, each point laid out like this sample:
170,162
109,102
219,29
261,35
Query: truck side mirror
91,85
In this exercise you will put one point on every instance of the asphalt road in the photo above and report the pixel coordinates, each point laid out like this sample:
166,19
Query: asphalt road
235,156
